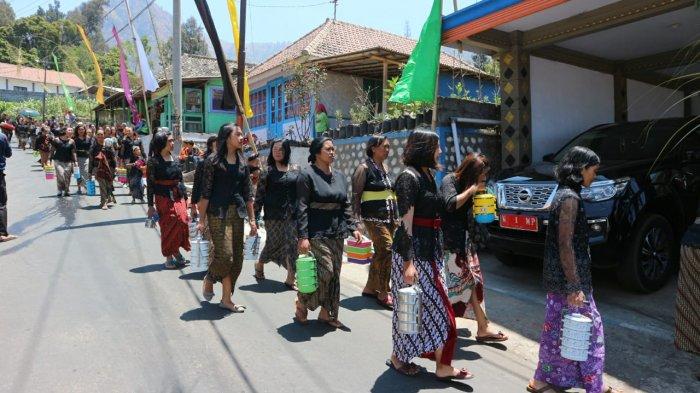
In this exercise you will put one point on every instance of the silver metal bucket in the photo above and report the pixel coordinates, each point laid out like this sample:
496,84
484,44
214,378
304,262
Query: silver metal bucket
408,310
199,256
193,228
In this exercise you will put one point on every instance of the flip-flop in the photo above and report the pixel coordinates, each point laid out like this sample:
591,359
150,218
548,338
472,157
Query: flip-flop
492,338
237,308
389,305
7,238
544,389
464,374
171,265
298,320
404,369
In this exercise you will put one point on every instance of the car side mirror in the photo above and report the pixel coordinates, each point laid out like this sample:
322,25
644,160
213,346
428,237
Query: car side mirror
548,157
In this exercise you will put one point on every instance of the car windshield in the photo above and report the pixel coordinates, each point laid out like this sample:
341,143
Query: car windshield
628,142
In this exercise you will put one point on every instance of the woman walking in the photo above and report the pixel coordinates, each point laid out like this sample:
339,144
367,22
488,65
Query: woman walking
136,174
567,280
417,260
324,220
43,145
227,198
276,193
102,165
374,202
82,149
465,281
64,157
167,196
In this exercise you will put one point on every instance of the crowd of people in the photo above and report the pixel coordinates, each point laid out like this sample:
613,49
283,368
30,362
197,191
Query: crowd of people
422,233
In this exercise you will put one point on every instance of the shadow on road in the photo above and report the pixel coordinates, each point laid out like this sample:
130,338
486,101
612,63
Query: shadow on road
156,267
101,223
195,276
267,286
391,381
357,303
208,312
296,333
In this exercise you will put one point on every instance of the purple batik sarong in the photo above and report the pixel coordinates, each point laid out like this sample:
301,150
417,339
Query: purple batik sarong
556,370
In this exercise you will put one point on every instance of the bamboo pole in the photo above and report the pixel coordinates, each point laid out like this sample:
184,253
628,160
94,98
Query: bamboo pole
138,65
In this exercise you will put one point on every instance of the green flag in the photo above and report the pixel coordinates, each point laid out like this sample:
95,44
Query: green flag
417,83
69,99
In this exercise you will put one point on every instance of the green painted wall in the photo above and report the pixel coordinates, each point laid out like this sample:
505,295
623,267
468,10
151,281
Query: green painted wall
214,120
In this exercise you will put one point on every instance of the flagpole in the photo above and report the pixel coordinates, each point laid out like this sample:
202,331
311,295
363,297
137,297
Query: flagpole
138,65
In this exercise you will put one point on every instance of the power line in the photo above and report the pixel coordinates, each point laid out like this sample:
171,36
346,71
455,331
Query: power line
132,20
289,5
113,8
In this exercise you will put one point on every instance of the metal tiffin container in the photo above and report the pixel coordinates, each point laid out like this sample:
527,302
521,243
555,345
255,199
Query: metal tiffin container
576,337
199,254
408,309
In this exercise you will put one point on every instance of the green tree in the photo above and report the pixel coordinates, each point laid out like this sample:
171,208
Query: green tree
7,14
54,13
193,41
90,15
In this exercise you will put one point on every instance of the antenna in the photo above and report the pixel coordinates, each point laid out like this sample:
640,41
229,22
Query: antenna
335,8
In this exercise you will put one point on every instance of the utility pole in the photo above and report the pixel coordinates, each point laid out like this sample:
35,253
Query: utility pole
335,8
177,74
138,65
241,58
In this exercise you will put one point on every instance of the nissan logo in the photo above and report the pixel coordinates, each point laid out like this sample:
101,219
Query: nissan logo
524,195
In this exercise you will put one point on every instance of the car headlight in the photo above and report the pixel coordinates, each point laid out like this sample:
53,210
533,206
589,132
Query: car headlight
604,190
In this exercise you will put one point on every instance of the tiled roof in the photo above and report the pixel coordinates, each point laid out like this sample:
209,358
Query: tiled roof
335,37
196,67
37,75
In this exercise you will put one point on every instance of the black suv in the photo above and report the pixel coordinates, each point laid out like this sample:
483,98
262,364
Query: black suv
644,198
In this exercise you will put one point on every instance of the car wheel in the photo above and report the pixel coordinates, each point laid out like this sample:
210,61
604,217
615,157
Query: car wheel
651,255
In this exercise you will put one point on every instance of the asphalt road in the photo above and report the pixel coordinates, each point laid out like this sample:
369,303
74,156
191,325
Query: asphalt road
86,306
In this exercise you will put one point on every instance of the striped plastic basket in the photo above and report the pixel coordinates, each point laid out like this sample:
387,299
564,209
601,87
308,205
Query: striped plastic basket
359,252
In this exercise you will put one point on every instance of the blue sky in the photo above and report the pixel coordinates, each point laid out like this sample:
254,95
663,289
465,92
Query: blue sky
287,20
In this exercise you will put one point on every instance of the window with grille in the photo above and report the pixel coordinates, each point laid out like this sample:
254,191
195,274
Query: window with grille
258,102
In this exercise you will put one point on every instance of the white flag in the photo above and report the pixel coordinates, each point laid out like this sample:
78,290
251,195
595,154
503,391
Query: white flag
150,82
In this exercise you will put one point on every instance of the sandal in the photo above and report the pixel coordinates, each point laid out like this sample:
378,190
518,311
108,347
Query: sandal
207,295
492,338
236,308
407,369
367,294
462,375
170,264
610,389
544,389
387,303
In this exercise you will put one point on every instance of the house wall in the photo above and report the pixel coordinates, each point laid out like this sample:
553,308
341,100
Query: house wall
339,93
566,100
646,101
214,120
10,83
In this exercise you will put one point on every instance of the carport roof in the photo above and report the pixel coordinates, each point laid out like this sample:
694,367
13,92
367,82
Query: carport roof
648,40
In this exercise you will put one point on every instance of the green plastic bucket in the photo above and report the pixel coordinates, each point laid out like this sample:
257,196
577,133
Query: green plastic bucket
306,273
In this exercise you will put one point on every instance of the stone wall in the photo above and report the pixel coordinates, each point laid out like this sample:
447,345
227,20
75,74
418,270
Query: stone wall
17,96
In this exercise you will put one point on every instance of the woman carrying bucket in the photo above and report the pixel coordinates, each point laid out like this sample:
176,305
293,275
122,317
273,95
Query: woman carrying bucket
374,202
417,261
567,280
226,199
465,281
324,220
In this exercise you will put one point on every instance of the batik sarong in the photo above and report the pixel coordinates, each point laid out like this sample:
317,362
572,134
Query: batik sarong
556,370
